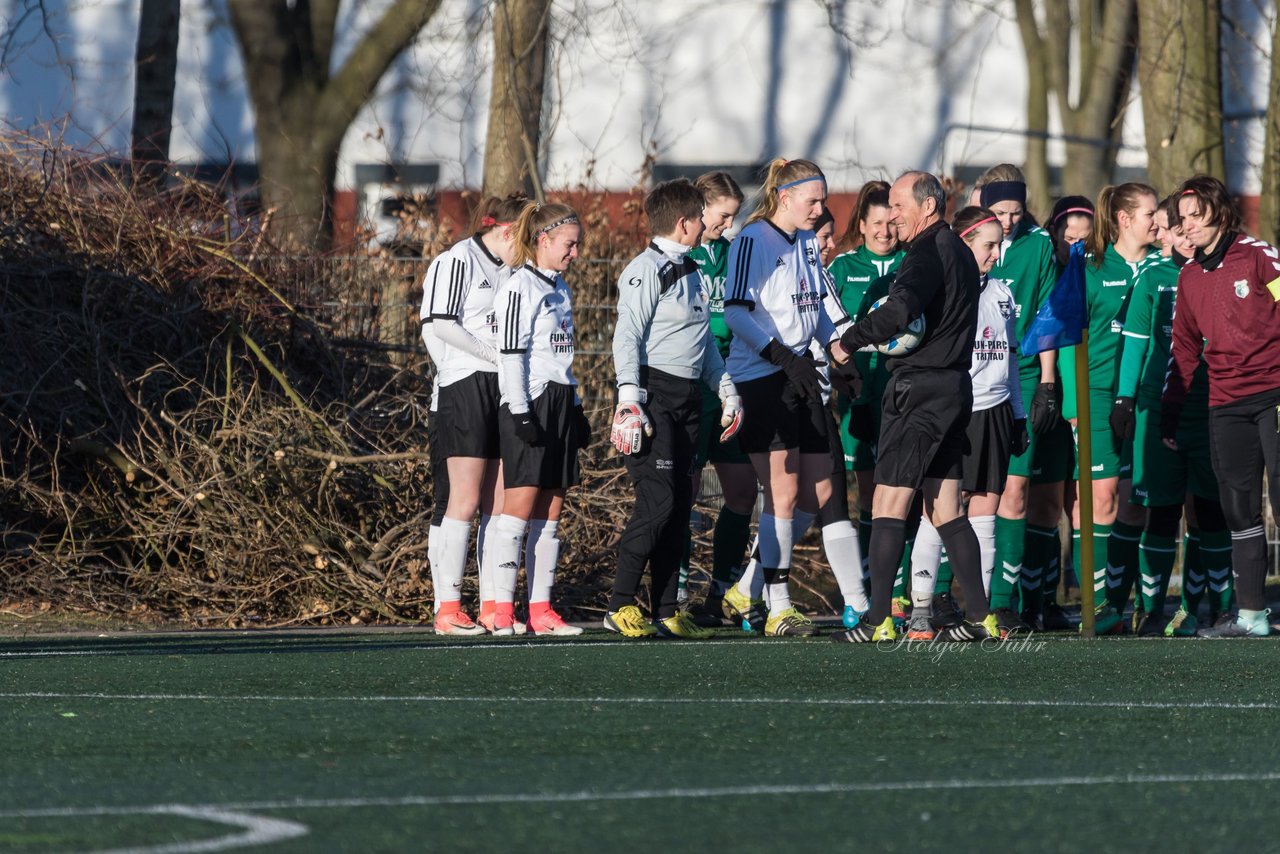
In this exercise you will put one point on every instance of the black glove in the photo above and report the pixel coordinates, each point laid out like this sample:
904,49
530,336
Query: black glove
1046,409
802,373
581,427
862,423
850,377
1121,420
1170,415
1021,438
528,430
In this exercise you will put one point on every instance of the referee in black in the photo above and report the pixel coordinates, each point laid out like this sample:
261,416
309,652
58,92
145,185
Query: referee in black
926,405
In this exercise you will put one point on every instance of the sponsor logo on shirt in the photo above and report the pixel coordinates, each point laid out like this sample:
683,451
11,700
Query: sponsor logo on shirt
1117,326
1168,328
1007,308
484,284
1118,284
810,256
1242,288
859,278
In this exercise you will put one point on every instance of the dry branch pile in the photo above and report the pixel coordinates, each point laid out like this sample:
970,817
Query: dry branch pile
179,440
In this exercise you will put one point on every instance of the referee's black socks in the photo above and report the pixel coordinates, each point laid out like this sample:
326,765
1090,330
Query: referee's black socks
888,539
961,544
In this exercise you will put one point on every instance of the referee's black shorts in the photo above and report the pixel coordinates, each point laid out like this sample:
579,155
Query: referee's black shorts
924,415
552,464
986,465
468,416
776,418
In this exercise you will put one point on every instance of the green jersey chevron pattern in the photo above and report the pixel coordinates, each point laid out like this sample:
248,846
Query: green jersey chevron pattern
1107,286
712,259
1028,268
1148,326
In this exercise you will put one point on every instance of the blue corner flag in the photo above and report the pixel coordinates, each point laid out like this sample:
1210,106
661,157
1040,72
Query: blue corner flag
1061,318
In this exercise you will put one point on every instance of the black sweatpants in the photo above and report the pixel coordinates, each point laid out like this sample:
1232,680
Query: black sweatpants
662,474
1245,437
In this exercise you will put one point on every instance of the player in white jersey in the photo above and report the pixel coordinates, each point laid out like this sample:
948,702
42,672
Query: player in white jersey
774,307
541,421
457,299
997,428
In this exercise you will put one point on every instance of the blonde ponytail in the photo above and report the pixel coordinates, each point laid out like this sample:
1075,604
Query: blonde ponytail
534,221
780,173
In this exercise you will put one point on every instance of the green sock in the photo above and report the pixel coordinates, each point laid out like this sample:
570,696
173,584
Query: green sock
1192,572
1155,558
1010,545
1122,563
864,542
1101,534
729,546
1215,557
1076,563
904,571
1052,572
942,582
1041,553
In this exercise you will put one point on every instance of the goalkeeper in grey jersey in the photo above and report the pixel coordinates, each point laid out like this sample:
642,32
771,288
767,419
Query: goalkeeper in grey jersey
663,353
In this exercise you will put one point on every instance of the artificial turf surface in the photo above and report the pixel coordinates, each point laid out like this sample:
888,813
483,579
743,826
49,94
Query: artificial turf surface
401,741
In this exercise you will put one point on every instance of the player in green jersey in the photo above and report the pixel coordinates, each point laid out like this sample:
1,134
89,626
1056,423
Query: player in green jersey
867,252
1165,479
1118,247
737,479
1026,527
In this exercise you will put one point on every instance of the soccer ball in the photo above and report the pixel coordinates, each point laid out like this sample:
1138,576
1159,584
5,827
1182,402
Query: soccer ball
904,342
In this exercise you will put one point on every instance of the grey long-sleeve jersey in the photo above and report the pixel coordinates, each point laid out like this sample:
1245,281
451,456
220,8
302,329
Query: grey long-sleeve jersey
663,318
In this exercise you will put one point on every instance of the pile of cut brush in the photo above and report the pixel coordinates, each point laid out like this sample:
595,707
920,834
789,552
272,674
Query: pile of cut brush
181,441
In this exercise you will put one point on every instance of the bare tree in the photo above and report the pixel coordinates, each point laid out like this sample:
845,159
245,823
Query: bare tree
1269,204
1180,72
155,76
520,46
304,106
1105,37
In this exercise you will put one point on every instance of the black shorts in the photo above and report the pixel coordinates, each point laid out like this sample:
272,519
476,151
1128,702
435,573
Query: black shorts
468,417
986,466
776,418
552,464
924,415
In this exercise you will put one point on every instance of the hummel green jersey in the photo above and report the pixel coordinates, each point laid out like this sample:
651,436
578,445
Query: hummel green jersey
712,259
1028,269
853,273
1148,329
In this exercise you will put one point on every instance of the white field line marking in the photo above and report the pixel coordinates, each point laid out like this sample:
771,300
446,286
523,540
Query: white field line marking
257,830
699,701
375,646
653,794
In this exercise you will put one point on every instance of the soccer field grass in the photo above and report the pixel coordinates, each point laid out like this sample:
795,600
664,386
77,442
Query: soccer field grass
401,741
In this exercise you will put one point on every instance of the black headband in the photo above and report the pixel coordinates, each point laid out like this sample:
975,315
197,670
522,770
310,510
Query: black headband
1004,191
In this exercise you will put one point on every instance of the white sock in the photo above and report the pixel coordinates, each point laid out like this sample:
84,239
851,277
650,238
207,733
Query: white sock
775,551
926,554
502,555
844,555
434,538
985,528
456,536
486,582
541,551
751,584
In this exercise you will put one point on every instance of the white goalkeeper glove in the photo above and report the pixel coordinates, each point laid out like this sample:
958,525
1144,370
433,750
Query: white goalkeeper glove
730,409
630,420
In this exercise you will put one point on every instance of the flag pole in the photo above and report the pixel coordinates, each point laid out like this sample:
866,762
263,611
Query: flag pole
1084,454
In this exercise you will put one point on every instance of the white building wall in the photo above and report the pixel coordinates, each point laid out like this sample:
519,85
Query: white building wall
890,87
